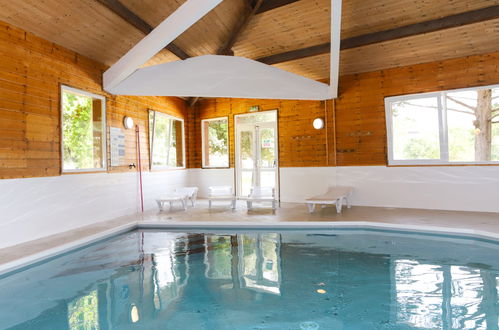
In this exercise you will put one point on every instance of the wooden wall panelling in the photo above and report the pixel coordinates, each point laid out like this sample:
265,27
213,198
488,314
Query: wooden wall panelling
360,114
31,72
299,143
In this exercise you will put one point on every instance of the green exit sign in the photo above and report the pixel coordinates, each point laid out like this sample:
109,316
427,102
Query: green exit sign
254,108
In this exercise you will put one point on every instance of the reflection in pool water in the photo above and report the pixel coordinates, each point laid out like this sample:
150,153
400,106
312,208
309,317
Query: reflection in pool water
260,280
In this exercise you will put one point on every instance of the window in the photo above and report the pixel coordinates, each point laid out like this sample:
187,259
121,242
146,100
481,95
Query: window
166,138
83,123
449,127
215,144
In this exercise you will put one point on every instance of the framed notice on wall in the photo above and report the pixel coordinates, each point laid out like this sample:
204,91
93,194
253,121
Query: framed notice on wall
117,146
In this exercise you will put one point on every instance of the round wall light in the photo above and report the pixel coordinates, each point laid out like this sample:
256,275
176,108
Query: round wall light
318,123
128,122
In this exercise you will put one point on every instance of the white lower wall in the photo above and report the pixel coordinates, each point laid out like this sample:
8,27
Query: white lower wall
463,188
37,207
204,178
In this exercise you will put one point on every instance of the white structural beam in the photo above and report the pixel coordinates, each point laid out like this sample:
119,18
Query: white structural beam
334,70
214,75
172,27
221,76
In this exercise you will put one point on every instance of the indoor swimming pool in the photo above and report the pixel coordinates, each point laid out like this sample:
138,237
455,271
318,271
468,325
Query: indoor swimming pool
260,279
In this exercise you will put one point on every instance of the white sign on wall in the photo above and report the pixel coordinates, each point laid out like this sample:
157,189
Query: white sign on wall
117,146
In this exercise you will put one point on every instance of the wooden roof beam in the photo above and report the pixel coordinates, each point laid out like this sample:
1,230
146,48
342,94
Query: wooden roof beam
226,48
470,17
296,54
273,4
131,18
448,22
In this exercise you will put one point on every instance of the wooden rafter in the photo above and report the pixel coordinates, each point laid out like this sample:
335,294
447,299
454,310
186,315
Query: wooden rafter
448,22
226,48
296,54
129,16
273,4
474,16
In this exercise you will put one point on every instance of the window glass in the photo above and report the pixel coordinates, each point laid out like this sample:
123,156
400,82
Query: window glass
415,124
83,131
215,142
458,126
166,137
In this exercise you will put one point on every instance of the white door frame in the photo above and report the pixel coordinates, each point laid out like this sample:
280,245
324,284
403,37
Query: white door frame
256,145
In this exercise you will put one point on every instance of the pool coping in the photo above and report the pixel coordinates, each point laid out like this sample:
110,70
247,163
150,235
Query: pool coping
22,262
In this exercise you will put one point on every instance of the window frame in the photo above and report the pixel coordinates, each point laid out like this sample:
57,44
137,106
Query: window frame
151,147
203,148
442,125
65,88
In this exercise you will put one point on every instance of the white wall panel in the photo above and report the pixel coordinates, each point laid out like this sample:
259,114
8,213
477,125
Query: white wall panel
37,207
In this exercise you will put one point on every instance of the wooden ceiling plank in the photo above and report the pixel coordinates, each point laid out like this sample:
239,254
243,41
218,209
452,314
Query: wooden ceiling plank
273,4
452,21
129,16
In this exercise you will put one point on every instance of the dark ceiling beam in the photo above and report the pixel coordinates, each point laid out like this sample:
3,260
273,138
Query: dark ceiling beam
448,22
226,48
273,4
452,21
131,18
296,54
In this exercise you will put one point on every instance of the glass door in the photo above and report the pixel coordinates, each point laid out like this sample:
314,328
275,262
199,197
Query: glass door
256,151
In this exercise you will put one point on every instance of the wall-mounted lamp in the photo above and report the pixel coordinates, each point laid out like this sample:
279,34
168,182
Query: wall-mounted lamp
318,123
128,122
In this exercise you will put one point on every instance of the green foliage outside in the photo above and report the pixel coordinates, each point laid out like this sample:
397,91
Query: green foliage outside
218,139
77,130
421,148
164,146
83,313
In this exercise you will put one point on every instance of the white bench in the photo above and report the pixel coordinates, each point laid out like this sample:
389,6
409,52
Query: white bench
334,196
221,193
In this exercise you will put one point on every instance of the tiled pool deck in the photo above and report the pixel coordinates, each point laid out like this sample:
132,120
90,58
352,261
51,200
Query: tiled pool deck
288,215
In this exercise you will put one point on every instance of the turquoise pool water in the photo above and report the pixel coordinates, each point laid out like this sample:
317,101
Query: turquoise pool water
152,279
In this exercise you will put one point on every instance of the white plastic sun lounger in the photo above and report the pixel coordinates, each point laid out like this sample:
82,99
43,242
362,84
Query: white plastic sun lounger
190,192
181,195
334,195
221,193
171,198
261,194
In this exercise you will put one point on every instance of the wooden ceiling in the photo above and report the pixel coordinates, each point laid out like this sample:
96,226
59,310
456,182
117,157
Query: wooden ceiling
290,34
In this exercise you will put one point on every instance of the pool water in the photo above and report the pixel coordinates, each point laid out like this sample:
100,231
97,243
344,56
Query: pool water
324,279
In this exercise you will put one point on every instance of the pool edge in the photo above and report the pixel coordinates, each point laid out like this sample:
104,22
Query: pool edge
26,261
